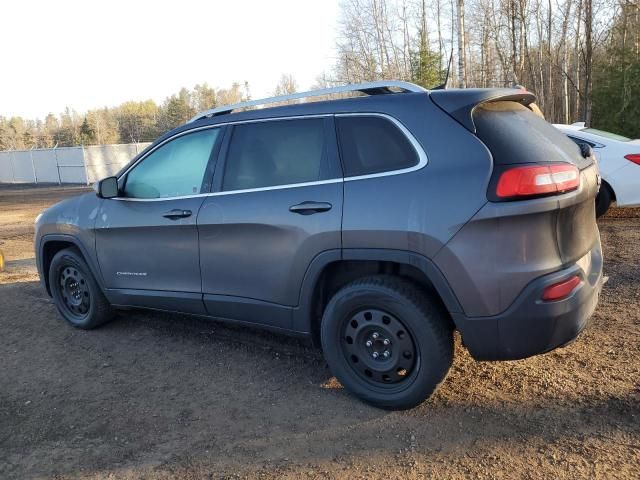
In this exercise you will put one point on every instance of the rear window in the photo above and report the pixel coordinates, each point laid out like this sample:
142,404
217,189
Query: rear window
371,144
514,134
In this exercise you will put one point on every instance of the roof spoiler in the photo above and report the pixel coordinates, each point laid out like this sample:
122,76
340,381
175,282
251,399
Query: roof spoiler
461,102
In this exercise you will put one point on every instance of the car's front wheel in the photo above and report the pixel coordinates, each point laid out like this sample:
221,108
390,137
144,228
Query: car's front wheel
75,292
386,341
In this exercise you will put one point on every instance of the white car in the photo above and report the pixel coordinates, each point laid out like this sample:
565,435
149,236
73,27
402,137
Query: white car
619,163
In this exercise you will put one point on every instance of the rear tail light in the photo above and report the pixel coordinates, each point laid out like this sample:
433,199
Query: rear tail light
633,157
533,180
560,290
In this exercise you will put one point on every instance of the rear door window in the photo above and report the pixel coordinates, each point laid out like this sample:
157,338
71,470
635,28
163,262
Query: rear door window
278,152
372,144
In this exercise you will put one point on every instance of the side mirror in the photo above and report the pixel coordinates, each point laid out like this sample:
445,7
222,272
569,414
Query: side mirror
107,187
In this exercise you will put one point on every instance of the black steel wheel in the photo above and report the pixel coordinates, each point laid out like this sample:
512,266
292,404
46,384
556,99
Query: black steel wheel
387,341
379,347
75,292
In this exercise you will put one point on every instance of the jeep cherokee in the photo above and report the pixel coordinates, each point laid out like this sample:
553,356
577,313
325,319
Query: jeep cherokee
375,225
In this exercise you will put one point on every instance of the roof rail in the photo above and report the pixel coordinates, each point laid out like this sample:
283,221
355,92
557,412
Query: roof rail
370,88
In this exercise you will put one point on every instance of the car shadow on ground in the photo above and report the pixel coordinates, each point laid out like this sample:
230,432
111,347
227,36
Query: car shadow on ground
152,390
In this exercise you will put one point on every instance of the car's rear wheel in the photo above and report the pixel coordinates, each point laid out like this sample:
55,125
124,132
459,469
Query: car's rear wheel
603,200
75,292
386,341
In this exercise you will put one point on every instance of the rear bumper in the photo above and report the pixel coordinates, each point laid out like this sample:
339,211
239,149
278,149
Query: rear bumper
531,326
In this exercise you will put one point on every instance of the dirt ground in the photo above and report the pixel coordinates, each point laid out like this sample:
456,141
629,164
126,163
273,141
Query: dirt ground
165,396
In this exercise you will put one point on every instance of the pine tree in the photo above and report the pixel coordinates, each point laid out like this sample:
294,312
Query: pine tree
87,134
425,64
176,110
616,91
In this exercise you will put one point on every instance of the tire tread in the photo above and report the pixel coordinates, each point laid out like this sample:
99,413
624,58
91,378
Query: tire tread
432,312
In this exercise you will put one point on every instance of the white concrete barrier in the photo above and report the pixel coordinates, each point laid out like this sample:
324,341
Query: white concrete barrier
66,164
45,165
22,167
106,160
6,168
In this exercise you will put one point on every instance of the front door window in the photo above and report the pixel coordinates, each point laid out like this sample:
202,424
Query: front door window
177,168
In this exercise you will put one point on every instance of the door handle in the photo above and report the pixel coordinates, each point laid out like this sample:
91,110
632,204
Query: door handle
309,208
177,213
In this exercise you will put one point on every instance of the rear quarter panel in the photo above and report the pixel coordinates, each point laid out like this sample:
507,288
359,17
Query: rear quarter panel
420,211
508,244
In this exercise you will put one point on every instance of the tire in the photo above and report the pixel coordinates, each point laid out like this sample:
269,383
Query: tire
75,292
603,200
420,340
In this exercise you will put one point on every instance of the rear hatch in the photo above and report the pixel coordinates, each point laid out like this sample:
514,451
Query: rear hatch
540,215
517,137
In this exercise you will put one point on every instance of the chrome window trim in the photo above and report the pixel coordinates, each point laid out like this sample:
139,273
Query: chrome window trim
232,192
422,157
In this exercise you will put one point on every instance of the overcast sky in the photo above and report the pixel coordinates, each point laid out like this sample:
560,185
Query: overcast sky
90,54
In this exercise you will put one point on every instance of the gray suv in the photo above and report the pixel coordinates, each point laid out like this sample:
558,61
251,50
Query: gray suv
375,225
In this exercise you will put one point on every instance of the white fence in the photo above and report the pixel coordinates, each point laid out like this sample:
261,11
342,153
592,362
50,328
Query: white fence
66,164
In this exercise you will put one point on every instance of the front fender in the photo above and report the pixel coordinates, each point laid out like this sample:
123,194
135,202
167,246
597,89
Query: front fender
87,253
69,222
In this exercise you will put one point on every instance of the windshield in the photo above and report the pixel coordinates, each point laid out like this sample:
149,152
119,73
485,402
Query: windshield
609,135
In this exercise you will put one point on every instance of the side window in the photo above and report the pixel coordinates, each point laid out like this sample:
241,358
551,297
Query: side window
175,169
371,144
279,152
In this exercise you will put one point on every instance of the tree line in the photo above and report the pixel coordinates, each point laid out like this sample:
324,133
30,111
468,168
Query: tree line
580,57
130,122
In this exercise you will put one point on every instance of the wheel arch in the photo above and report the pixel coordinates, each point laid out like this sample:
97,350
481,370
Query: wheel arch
50,245
331,270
